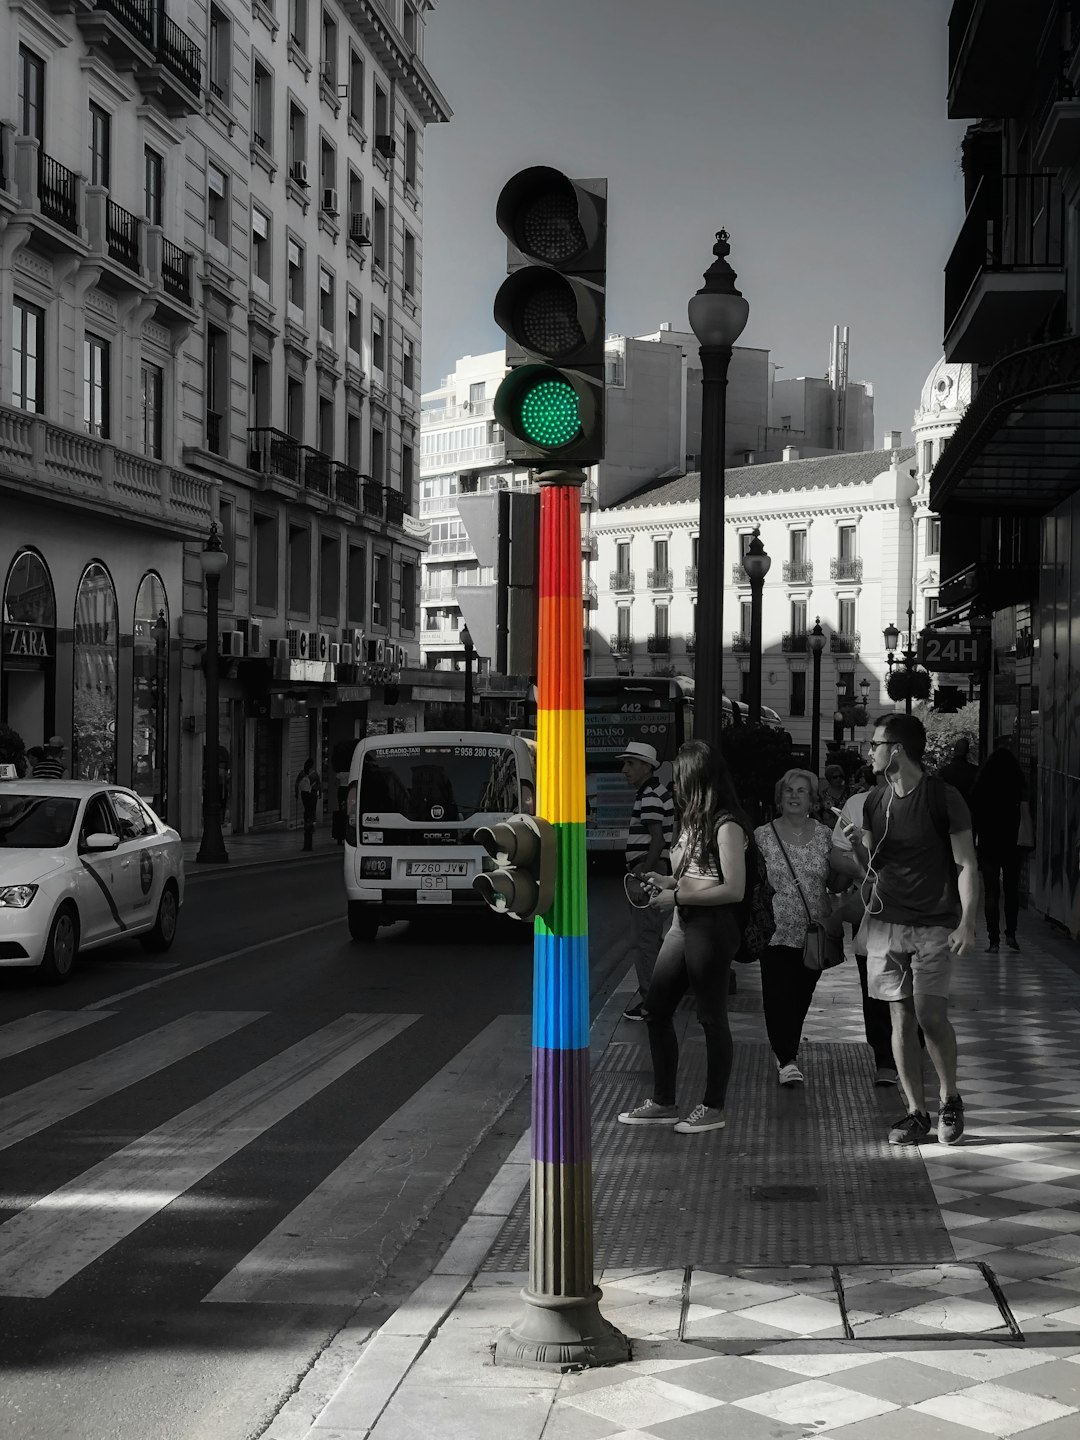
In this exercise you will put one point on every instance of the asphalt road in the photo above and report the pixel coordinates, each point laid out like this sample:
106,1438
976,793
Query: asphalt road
208,1160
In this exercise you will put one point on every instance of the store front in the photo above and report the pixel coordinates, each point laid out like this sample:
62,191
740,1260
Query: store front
28,648
150,693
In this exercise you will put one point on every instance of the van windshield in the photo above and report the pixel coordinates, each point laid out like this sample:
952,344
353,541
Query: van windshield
439,782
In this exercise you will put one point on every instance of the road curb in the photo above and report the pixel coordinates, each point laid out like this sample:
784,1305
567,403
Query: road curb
194,873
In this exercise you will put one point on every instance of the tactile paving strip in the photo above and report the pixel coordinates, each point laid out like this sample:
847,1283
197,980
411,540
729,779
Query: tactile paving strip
667,1200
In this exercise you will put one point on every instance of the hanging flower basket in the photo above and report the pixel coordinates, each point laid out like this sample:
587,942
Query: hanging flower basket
904,683
854,715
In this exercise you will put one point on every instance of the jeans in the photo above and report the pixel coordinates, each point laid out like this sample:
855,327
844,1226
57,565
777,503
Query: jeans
696,954
1001,875
646,929
787,987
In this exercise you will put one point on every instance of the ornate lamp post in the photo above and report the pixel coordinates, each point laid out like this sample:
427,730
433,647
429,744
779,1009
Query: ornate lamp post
816,642
907,681
161,640
756,563
718,314
212,846
838,713
470,648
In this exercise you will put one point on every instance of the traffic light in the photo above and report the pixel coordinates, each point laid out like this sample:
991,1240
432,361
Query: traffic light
522,884
551,306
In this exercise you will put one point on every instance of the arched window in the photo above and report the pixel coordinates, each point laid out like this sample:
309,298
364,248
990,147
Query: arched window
28,669
93,729
150,692
28,594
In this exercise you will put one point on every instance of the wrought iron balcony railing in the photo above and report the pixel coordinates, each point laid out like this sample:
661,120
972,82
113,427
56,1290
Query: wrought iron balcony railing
622,581
740,643
658,644
799,572
588,594
690,643
793,642
317,471
136,16
272,452
846,569
214,432
395,506
691,576
122,235
621,644
373,498
180,55
844,644
660,579
348,485
58,190
176,268
738,574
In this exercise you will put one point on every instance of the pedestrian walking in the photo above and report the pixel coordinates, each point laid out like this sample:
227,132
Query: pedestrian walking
835,791
917,847
309,788
960,772
797,851
648,848
51,764
997,796
709,880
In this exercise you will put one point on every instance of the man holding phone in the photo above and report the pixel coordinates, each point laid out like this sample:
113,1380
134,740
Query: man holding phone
917,847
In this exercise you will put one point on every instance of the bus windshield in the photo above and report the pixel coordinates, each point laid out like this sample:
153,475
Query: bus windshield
445,783
619,709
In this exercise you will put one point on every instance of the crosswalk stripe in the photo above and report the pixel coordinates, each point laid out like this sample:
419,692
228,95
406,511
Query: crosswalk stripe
36,1107
43,1026
56,1237
332,1244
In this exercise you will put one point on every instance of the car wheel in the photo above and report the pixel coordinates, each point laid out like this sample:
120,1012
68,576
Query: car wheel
61,947
363,921
163,934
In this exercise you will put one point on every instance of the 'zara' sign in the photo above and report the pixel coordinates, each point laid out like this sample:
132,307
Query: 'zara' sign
31,641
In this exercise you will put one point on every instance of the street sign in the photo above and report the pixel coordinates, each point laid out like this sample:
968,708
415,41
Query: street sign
953,651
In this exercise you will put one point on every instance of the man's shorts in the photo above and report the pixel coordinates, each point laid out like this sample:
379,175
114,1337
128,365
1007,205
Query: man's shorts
903,961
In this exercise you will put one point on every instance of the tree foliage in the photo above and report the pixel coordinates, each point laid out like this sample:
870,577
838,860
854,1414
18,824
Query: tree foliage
943,729
12,749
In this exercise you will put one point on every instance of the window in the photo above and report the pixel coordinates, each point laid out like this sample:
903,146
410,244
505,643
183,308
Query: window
356,88
298,24
299,599
746,610
933,535
380,589
798,547
326,301
927,456
410,155
622,557
132,819
354,338
847,617
329,575
355,612
798,617
744,686
326,425
745,536
797,697
931,605
227,525
262,107
217,205
328,54
477,394
660,557
378,235
31,94
378,343
153,390
378,453
327,170
294,408
217,388
153,177
354,443
296,277
99,145
382,111
408,595
408,364
409,264
660,622
260,392
96,385
845,535
694,542
408,481
219,53
356,206
28,357
297,142
260,251
409,26
622,625
266,560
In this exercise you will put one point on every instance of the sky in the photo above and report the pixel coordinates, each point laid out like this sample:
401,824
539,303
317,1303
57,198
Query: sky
814,131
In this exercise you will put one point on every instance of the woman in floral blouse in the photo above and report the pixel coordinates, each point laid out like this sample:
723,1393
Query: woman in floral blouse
787,986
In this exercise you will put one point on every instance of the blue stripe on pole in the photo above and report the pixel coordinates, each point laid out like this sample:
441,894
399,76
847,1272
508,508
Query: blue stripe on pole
560,991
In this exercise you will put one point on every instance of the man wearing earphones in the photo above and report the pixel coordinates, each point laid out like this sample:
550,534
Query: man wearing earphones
917,848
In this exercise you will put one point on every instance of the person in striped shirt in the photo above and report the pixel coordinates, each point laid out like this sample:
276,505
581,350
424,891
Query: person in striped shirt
648,847
51,765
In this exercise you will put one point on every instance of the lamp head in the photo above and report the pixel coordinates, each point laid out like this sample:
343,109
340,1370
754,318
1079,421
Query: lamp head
161,628
466,638
816,638
212,556
864,688
756,562
718,312
892,637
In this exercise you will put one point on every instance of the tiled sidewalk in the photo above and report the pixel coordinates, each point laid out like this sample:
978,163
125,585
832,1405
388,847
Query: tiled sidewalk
988,1344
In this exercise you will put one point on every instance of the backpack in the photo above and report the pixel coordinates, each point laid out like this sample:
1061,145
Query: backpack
754,911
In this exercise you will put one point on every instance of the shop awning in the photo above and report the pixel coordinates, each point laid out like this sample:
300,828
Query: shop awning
1017,449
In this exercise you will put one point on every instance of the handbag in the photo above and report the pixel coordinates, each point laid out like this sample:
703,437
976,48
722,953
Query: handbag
820,951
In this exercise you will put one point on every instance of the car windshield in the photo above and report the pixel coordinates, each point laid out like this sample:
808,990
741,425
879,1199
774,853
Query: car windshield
36,822
439,782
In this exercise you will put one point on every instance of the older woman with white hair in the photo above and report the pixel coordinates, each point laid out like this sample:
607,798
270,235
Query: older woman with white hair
797,850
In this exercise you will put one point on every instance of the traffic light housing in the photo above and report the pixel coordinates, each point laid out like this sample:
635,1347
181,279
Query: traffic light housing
522,883
552,308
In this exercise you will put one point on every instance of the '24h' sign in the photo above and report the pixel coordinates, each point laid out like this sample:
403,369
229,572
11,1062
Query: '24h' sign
953,650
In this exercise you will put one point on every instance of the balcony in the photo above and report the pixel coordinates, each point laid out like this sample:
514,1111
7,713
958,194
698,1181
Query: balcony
660,579
691,576
122,238
175,77
272,452
58,193
395,506
1006,271
173,271
621,644
589,545
588,594
318,472
740,643
348,485
738,574
846,569
793,642
841,643
373,498
689,644
125,28
658,644
992,56
139,36
798,572
622,582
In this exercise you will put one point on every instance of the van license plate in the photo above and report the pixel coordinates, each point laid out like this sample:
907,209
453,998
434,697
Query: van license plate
433,897
436,867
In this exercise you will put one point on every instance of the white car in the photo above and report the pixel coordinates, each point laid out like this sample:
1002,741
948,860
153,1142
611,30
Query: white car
82,862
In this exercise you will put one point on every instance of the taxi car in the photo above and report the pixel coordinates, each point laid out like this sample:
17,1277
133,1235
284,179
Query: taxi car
82,862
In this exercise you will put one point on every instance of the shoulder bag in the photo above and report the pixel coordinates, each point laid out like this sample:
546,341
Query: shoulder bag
821,950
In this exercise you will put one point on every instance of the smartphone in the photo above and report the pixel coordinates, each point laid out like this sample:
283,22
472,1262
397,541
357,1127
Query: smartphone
835,811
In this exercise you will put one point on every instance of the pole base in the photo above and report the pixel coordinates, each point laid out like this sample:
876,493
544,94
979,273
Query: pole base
561,1333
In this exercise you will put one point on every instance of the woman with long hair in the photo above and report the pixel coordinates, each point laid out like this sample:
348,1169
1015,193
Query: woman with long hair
709,865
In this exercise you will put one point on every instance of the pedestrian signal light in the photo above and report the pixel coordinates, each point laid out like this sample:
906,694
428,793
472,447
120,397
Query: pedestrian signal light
521,882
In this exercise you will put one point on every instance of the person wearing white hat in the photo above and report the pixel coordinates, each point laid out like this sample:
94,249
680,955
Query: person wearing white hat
648,847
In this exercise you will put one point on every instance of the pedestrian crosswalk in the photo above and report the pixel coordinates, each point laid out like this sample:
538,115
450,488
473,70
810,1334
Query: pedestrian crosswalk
340,1234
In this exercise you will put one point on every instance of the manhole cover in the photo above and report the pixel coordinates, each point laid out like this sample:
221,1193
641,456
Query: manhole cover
771,1193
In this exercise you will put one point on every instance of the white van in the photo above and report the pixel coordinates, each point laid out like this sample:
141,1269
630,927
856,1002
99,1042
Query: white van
412,807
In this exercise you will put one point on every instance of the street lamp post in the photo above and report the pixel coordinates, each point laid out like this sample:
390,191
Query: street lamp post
816,641
161,640
838,713
212,846
907,680
756,563
718,314
470,648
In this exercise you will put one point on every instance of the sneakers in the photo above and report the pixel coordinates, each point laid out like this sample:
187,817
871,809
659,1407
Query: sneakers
885,1075
700,1119
910,1130
1012,942
790,1074
950,1124
636,1012
650,1114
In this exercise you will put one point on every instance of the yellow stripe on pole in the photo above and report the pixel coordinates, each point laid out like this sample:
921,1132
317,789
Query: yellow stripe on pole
560,751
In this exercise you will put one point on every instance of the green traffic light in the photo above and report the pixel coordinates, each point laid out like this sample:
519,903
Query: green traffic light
549,413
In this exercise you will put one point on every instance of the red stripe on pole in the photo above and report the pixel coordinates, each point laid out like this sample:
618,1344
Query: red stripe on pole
560,541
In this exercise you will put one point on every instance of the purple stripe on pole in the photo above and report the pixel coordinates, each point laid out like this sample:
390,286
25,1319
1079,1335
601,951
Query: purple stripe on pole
561,1133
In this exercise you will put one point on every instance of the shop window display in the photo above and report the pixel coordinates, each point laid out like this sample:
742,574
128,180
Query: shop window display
93,748
150,693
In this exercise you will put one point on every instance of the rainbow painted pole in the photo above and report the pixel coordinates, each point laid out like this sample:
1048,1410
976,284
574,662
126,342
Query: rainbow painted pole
561,1326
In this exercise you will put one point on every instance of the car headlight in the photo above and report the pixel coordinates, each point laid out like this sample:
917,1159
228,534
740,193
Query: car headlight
16,897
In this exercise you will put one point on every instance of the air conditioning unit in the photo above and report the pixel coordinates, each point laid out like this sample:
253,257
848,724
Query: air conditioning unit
402,658
354,636
281,649
231,643
360,229
329,202
376,652
346,653
386,145
255,637
335,653
292,639
320,645
299,173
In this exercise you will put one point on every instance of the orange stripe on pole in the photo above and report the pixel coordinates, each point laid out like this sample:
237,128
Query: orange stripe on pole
561,628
